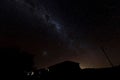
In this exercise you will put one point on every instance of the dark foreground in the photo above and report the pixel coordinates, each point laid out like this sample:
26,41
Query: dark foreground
18,65
70,70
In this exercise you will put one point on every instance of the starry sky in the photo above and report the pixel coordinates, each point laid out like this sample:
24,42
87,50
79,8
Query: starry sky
59,30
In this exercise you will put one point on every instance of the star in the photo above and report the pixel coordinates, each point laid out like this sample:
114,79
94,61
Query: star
45,53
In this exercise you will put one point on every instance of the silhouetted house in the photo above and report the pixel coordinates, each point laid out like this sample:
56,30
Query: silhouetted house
67,66
64,70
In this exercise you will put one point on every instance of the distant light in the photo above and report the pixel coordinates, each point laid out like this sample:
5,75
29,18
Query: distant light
32,73
45,53
48,69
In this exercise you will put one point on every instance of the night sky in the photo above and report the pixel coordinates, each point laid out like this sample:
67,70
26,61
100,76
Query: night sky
59,30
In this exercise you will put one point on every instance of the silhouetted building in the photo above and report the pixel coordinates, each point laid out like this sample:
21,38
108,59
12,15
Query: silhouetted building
64,70
67,66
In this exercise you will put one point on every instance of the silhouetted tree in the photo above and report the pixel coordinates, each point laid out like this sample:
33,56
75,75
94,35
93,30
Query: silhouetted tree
14,63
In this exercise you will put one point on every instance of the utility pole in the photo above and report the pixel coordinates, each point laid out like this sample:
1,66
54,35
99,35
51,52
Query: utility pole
104,52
